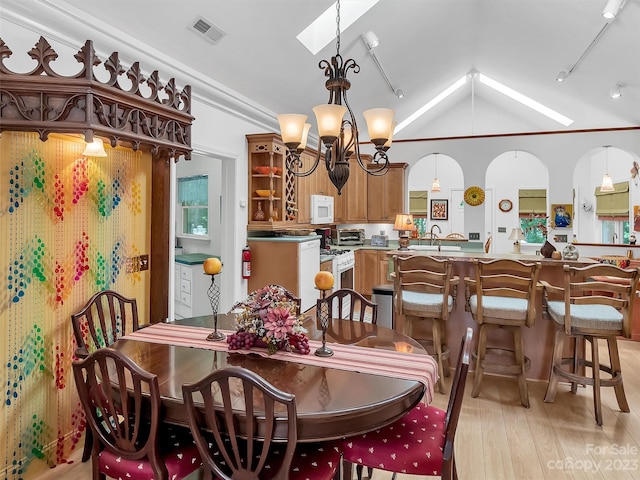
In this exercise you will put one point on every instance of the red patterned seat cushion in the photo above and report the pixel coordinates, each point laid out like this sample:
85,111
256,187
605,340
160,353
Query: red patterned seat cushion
311,461
411,445
177,450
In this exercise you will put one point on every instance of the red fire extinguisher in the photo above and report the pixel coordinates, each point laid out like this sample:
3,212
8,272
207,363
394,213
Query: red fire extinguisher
246,262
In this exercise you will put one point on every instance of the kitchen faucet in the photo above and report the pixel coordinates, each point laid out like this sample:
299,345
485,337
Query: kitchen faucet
432,235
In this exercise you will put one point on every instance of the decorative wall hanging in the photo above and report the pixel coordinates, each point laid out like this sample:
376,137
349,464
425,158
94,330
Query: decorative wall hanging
561,215
474,196
439,209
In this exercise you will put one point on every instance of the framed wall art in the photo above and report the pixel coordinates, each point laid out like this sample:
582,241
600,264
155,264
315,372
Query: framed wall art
561,215
439,209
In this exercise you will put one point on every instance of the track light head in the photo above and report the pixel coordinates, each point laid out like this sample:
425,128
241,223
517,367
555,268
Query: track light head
371,39
399,93
612,8
562,76
616,92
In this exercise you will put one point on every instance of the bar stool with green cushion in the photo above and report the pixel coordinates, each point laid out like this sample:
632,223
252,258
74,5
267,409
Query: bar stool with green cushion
426,289
599,302
503,295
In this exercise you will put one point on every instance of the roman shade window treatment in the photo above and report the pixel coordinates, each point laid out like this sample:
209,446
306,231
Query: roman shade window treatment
613,204
418,202
532,201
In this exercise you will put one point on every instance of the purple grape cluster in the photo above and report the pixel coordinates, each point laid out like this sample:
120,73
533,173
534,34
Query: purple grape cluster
241,340
299,343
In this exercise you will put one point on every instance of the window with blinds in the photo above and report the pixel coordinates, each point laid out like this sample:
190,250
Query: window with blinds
610,205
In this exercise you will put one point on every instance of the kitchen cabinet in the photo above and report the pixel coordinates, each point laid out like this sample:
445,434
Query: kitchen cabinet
291,262
191,285
326,266
372,268
386,194
267,172
353,200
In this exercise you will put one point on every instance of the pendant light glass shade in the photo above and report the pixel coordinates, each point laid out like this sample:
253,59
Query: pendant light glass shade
95,149
435,186
292,127
607,181
379,124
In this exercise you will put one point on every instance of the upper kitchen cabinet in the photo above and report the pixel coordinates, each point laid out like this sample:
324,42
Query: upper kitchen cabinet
271,188
386,194
353,200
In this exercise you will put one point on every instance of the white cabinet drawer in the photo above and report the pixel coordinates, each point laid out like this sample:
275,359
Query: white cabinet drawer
185,286
185,273
185,299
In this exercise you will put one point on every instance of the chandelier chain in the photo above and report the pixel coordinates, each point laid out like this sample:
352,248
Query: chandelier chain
338,27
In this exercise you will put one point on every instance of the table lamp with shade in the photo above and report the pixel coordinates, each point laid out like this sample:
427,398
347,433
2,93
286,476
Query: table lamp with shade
403,224
517,235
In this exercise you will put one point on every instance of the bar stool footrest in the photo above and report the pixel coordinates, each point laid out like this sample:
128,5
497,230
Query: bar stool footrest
494,361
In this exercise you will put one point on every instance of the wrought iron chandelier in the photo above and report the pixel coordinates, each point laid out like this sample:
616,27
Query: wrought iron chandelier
338,134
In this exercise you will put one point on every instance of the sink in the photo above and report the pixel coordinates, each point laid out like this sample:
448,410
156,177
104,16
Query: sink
444,248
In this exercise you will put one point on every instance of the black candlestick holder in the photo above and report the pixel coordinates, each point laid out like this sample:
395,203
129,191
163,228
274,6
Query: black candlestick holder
214,297
323,314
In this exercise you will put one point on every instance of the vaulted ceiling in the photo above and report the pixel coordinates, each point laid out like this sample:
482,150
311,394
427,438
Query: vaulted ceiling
425,45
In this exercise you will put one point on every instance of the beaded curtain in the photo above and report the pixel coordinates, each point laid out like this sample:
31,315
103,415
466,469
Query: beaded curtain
69,223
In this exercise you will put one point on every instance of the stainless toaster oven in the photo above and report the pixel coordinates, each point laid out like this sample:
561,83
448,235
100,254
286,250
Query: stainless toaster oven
348,236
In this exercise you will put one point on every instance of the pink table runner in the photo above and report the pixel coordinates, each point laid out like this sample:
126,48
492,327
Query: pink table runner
422,368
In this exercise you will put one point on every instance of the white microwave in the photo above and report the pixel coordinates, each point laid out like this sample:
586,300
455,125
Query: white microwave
321,209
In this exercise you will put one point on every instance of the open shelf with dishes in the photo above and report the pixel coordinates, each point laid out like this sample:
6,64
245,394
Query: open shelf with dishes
271,191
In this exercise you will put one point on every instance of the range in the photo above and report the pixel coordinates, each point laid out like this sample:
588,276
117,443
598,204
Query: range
342,267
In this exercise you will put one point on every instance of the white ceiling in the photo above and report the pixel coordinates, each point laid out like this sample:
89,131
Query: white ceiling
425,45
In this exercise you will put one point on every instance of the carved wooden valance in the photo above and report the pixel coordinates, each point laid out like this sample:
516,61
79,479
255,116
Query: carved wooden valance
45,102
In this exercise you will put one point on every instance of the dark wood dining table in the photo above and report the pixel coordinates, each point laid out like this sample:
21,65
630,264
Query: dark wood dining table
332,403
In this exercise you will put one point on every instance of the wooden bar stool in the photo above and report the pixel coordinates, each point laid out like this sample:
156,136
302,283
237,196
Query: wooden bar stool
426,289
596,302
503,295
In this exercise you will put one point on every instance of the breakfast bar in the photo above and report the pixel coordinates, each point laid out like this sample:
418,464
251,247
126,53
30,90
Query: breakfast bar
538,340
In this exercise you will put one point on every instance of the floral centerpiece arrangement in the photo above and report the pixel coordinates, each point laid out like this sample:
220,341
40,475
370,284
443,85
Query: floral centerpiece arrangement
269,318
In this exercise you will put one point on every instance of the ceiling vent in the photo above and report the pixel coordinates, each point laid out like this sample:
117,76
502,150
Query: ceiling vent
208,30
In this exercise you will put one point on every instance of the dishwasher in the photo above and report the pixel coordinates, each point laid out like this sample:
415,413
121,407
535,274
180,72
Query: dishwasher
383,296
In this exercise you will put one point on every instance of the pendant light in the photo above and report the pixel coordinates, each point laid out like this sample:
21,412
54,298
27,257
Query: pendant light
435,186
607,182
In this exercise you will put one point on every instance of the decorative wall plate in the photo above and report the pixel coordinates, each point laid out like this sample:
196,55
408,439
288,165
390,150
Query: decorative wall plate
474,196
505,205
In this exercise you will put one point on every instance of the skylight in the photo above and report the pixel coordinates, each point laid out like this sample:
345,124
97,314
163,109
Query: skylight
323,29
523,99
509,92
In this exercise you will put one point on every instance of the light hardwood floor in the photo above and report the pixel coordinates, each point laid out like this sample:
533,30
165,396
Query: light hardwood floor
499,439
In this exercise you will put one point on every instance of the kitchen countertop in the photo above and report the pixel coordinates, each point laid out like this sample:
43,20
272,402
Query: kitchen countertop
193,258
285,238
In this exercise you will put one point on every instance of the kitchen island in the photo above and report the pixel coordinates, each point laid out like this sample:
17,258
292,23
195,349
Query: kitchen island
538,340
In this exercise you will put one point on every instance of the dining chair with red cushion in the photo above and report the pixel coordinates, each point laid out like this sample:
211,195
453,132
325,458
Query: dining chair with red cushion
128,438
246,428
104,318
422,441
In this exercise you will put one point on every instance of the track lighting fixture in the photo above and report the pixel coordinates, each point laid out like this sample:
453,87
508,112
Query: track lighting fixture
616,92
562,76
612,8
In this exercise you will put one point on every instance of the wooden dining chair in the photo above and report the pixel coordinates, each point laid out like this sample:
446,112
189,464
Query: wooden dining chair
425,289
454,236
99,323
358,307
126,423
502,295
102,320
595,302
422,441
247,429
